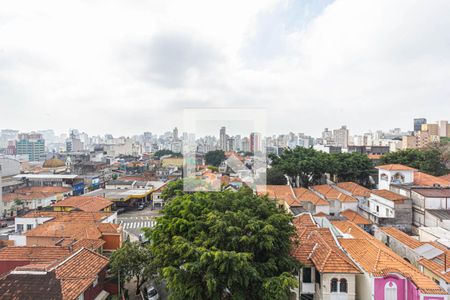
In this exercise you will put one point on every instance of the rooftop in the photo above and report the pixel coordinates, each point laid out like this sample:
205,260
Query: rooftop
355,189
85,203
331,193
319,248
395,167
402,237
38,254
35,193
356,218
433,192
378,259
424,179
303,194
386,194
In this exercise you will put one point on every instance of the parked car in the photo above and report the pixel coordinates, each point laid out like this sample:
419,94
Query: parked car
152,293
120,210
141,207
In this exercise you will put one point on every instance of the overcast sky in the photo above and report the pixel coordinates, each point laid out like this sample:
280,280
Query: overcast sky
125,67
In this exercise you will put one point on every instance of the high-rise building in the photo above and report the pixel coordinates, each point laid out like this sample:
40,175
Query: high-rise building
255,142
223,139
327,136
175,134
418,123
340,137
443,129
432,129
31,144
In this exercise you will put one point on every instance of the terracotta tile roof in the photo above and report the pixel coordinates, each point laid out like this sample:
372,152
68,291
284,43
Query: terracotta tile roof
280,192
85,203
355,189
30,286
79,271
35,193
378,259
356,218
424,179
304,220
386,194
88,244
318,247
34,254
445,177
402,237
331,193
395,167
108,228
437,265
381,261
75,230
305,195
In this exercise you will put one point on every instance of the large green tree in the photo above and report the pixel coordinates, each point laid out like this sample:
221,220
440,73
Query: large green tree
303,166
224,245
276,176
431,160
214,158
132,261
354,167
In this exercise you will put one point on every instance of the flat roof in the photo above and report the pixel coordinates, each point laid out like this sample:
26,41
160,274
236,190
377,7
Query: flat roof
46,176
118,194
443,214
433,192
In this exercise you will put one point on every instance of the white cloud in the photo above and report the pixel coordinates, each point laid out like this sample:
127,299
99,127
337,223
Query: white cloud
129,66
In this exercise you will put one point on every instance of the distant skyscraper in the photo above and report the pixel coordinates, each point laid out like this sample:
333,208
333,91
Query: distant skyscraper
223,139
255,142
340,137
175,134
31,144
327,136
418,123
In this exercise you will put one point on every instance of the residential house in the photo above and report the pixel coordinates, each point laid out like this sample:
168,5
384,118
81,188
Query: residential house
425,199
386,275
56,233
386,208
338,200
430,258
80,276
12,257
326,273
83,203
35,197
283,194
356,218
311,202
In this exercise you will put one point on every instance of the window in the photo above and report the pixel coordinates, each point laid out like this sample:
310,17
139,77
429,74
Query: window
390,291
387,212
343,285
19,227
29,226
317,278
334,285
378,208
307,275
